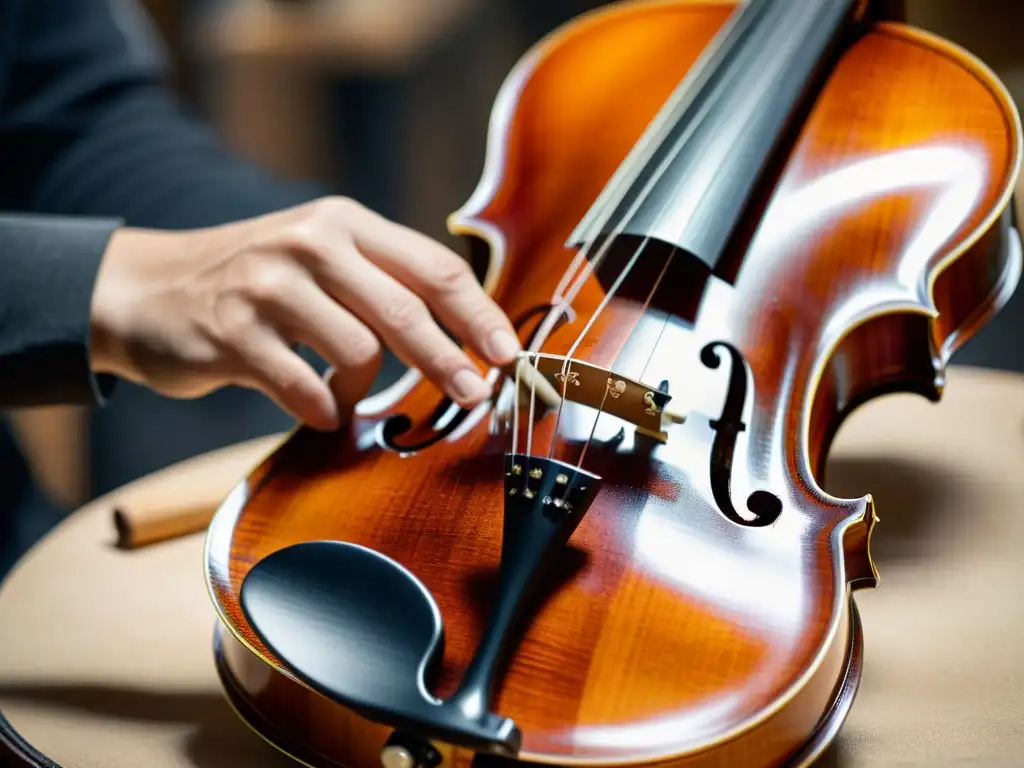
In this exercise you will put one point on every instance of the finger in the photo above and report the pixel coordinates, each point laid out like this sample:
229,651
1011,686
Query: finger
444,280
273,368
404,323
348,390
309,316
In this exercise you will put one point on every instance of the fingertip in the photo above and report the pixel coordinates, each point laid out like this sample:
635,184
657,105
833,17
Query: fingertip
325,416
469,389
313,404
502,347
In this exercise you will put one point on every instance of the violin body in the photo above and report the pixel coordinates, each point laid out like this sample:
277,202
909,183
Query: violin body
701,612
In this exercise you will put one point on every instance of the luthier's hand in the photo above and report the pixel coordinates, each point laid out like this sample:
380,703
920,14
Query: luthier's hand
185,313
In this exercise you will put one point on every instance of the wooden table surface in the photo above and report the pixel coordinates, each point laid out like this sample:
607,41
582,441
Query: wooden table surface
105,655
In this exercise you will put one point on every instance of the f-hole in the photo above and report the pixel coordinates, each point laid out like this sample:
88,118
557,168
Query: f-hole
764,506
399,425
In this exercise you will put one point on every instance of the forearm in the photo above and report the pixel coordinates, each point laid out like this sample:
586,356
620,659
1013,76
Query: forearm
45,309
89,140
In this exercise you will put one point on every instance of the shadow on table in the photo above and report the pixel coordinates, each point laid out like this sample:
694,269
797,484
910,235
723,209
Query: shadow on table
219,738
920,504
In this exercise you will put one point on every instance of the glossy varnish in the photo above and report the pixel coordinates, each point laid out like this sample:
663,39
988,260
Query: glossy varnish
673,635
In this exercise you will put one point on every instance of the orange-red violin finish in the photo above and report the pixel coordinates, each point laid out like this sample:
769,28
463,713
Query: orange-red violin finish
701,613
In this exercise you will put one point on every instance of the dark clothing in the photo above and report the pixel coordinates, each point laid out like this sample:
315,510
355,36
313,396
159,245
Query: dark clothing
90,140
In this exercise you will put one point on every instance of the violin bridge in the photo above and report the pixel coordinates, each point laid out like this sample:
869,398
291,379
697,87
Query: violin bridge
646,408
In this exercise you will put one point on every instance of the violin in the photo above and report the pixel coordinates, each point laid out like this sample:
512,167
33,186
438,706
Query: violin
719,228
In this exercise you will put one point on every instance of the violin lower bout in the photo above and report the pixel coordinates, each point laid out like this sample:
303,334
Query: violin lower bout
322,734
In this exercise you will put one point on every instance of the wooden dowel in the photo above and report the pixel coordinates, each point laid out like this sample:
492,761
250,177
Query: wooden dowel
138,526
182,500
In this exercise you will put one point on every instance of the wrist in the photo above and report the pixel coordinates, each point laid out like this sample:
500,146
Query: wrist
109,309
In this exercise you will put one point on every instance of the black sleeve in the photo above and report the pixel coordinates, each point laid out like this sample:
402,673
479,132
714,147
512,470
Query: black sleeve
47,268
90,139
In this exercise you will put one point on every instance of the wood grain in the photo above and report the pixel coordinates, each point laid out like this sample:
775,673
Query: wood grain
674,636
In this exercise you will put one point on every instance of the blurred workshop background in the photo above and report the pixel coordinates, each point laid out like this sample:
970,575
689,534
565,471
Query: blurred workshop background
386,101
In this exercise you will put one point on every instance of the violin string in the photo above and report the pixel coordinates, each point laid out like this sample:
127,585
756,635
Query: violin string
618,229
570,272
622,349
607,298
650,140
564,303
533,402
559,306
597,312
561,302
589,440
620,226
567,362
590,265
641,198
567,359
668,315
558,417
657,343
515,411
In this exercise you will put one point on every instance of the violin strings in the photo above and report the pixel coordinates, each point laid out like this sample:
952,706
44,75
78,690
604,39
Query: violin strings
651,139
607,298
558,418
622,349
579,339
648,188
593,430
561,302
618,229
515,411
533,402
645,192
541,335
564,302
664,326
567,360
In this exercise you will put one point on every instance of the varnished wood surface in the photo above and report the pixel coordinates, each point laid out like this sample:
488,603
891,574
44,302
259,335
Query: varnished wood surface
672,629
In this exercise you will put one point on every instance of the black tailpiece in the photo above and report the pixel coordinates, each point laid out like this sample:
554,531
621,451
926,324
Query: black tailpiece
362,630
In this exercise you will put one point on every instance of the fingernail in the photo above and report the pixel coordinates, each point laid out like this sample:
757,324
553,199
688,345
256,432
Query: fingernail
503,346
469,386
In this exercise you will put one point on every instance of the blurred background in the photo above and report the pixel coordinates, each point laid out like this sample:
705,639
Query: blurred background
386,101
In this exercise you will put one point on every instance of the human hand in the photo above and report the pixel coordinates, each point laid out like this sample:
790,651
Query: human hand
185,313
